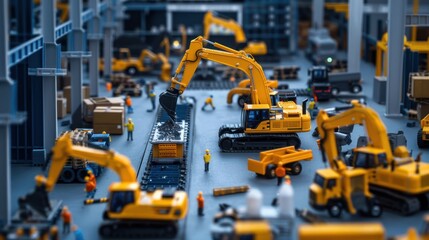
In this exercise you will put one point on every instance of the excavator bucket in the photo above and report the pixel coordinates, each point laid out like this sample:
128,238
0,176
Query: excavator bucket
168,101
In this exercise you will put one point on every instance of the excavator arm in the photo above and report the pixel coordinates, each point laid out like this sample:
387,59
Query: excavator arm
64,149
210,19
356,114
226,56
166,44
148,53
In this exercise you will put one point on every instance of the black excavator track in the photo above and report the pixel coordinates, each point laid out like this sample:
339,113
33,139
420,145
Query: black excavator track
233,139
129,229
398,201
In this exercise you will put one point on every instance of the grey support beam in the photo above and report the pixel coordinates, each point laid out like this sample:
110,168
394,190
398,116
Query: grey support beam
119,16
396,30
5,109
354,35
50,51
318,13
94,38
109,27
76,68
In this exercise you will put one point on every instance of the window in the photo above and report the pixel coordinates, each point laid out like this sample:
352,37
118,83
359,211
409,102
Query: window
254,117
331,183
382,160
360,160
319,180
119,199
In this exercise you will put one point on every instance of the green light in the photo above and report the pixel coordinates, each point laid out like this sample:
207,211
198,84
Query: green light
329,59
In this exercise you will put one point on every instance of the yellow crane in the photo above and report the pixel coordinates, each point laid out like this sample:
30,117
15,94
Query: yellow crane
397,179
130,212
254,48
266,123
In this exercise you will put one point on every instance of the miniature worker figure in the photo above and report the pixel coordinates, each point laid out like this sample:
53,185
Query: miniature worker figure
78,235
209,101
90,187
207,158
66,216
130,128
200,200
108,86
312,109
129,104
110,137
152,97
53,233
280,174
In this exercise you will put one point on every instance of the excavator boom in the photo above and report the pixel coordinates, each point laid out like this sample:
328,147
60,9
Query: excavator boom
210,19
260,91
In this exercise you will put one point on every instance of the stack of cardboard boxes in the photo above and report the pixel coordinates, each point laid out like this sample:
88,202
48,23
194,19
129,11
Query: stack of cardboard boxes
109,119
90,104
418,92
67,95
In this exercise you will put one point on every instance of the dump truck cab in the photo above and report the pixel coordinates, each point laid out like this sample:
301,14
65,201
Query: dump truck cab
348,190
423,133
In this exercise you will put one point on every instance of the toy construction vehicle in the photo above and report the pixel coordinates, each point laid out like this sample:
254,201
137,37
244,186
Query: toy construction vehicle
130,212
266,124
129,87
423,133
288,157
254,48
341,231
396,179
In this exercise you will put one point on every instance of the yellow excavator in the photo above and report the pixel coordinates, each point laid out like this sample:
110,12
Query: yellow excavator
130,65
165,74
266,123
399,181
130,212
254,48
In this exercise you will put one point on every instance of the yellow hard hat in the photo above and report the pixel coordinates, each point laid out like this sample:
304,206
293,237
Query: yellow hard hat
89,171
207,151
129,119
200,193
104,132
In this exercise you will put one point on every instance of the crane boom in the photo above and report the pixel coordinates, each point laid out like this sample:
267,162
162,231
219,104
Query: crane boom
226,56
210,19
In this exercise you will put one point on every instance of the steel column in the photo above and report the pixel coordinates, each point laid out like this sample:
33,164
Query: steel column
396,29
76,68
354,35
108,40
50,59
94,47
318,12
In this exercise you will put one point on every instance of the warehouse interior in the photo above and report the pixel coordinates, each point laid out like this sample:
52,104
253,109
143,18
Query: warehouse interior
295,119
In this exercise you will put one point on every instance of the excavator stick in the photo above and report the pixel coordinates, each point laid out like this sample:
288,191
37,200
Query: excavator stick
168,101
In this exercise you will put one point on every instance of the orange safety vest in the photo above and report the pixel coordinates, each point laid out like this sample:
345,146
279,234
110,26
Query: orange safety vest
200,201
128,102
66,216
89,186
280,172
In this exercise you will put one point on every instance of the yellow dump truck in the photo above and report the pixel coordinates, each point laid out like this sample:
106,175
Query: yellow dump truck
288,157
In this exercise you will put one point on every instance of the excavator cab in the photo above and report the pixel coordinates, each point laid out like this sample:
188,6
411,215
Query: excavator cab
254,115
368,157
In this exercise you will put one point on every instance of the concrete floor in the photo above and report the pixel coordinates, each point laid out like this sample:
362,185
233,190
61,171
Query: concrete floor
226,169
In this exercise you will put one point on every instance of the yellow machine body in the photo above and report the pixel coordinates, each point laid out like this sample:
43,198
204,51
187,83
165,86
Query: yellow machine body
341,231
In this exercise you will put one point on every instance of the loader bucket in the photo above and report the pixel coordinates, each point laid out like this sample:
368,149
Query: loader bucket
168,101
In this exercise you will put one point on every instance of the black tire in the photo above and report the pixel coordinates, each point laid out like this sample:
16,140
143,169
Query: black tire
335,91
356,88
295,167
242,99
132,71
335,209
225,144
420,142
67,175
81,173
270,171
374,208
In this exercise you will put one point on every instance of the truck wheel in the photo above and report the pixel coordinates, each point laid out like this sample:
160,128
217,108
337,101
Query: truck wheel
296,168
420,141
67,175
225,144
335,210
131,71
270,172
356,89
242,99
374,208
81,174
335,91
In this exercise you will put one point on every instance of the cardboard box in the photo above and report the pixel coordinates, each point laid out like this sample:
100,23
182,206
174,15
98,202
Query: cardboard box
61,107
109,128
422,110
90,104
67,95
109,119
419,87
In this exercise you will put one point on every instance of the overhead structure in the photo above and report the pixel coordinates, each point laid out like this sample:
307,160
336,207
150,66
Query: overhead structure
354,35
